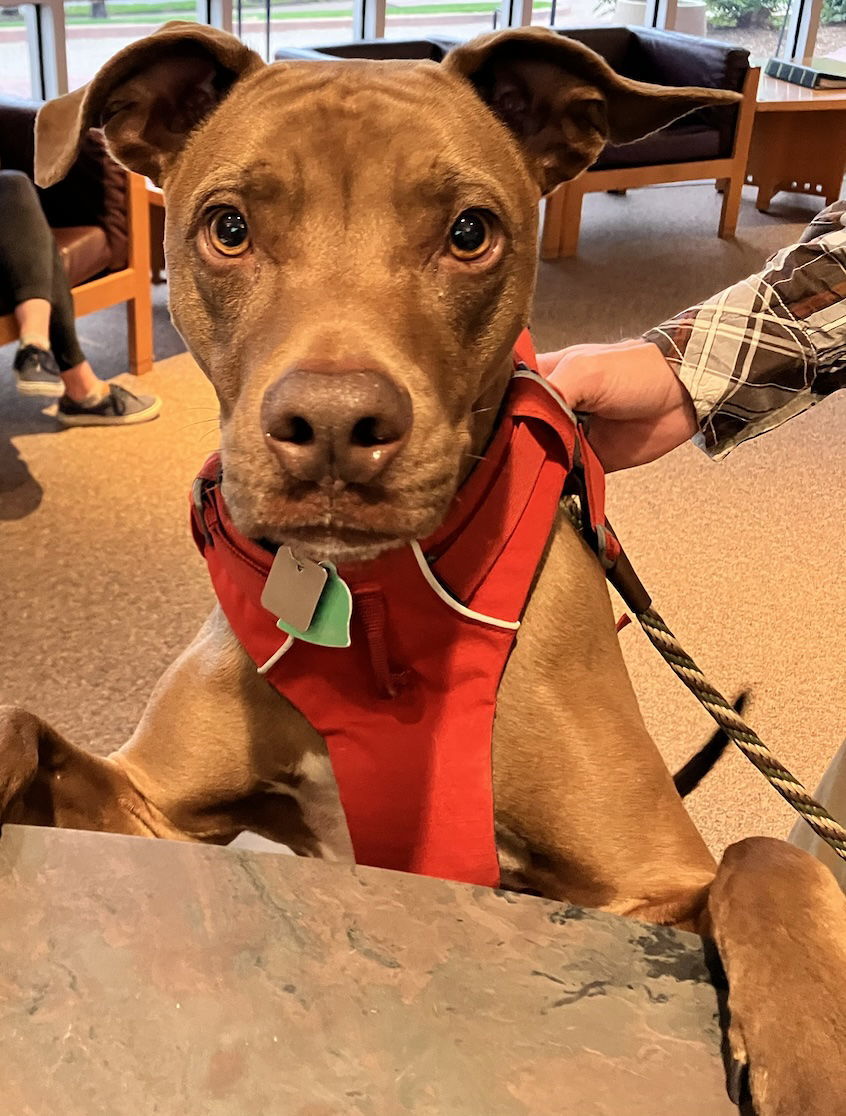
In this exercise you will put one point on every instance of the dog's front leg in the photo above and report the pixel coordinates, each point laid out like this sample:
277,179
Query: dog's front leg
219,751
216,752
44,780
779,920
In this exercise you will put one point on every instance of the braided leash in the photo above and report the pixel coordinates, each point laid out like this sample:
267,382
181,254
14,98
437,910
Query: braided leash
773,770
601,538
622,576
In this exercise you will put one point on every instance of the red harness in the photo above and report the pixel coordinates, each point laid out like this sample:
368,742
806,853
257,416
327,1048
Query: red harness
407,710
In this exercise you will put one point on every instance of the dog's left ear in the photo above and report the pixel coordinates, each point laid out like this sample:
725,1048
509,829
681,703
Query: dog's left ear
147,99
563,102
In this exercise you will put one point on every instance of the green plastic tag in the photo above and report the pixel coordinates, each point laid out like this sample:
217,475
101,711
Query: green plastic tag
330,625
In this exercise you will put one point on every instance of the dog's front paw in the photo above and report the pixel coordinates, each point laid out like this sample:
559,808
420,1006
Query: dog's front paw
779,919
20,736
786,1059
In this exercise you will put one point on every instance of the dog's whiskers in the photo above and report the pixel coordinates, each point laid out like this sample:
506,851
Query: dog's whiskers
198,422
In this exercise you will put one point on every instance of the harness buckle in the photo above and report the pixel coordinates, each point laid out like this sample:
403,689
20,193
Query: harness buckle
596,530
593,527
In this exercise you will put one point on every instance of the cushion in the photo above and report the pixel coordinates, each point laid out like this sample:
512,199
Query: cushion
678,144
84,250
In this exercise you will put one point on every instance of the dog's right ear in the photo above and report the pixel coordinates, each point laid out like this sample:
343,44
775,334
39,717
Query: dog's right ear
147,99
562,102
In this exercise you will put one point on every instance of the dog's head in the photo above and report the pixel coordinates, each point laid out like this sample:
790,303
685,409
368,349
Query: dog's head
351,251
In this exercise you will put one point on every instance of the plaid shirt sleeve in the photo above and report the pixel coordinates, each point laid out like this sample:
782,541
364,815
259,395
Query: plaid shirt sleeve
769,347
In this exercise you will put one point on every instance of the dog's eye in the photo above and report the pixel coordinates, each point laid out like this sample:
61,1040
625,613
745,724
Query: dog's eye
471,235
228,232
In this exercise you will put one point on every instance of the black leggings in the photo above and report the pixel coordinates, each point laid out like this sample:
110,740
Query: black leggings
31,267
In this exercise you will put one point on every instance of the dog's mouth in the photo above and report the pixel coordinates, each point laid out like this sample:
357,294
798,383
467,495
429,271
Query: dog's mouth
331,520
341,545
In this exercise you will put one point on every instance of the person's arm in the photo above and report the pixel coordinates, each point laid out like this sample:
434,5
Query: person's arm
769,347
732,367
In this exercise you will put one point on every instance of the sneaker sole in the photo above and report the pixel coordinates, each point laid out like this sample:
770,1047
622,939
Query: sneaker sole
52,391
111,420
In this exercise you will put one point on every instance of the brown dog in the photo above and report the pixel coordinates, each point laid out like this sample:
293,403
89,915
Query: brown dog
345,177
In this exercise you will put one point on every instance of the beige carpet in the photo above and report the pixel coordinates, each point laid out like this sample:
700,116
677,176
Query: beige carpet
101,585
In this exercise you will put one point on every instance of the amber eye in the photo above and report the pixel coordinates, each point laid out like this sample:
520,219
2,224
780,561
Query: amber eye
471,235
228,232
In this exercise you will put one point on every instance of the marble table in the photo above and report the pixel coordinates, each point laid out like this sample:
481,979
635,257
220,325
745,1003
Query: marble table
141,977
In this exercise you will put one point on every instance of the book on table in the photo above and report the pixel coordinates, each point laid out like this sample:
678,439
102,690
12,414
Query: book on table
820,73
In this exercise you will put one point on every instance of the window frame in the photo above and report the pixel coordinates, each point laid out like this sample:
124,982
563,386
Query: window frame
47,40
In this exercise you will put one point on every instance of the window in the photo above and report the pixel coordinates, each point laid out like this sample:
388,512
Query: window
831,37
99,28
589,13
15,63
266,26
434,19
756,25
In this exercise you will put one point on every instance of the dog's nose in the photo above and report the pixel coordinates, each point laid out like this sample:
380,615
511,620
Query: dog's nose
341,425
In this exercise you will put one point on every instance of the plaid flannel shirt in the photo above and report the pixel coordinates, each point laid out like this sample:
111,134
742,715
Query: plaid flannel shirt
769,347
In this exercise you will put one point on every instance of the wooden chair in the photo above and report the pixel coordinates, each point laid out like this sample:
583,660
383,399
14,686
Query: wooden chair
642,164
100,217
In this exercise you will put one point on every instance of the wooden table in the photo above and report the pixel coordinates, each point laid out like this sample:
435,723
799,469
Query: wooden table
798,141
141,977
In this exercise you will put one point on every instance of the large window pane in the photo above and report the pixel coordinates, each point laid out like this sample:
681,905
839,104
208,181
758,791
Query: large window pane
590,13
432,19
831,40
267,27
15,73
98,29
754,24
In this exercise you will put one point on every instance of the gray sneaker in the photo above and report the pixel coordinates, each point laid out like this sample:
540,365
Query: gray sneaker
118,407
37,372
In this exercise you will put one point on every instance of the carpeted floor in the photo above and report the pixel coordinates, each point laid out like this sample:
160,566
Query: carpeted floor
101,585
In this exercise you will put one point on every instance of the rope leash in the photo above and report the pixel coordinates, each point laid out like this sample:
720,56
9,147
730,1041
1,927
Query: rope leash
736,729
622,576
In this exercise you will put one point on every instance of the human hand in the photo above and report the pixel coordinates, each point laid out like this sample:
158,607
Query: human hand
640,408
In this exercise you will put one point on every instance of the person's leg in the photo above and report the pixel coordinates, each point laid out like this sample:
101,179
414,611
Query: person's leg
26,245
26,268
87,401
34,285
63,337
79,378
33,318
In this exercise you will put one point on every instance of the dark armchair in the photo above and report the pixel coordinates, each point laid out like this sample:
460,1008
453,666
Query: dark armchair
711,143
99,215
379,49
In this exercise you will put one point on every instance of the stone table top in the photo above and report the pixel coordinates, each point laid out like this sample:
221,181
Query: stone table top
141,977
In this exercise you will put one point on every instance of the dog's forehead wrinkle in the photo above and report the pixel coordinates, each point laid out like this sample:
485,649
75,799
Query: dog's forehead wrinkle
350,88
399,99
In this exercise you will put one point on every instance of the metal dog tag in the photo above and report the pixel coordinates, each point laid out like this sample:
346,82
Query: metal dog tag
293,588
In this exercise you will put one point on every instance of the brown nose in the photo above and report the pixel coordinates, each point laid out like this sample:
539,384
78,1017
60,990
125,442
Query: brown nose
340,425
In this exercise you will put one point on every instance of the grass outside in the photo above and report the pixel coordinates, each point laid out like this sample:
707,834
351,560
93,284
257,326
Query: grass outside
80,14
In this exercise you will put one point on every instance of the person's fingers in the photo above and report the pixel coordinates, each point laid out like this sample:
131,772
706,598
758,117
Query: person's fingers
640,408
579,379
548,362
